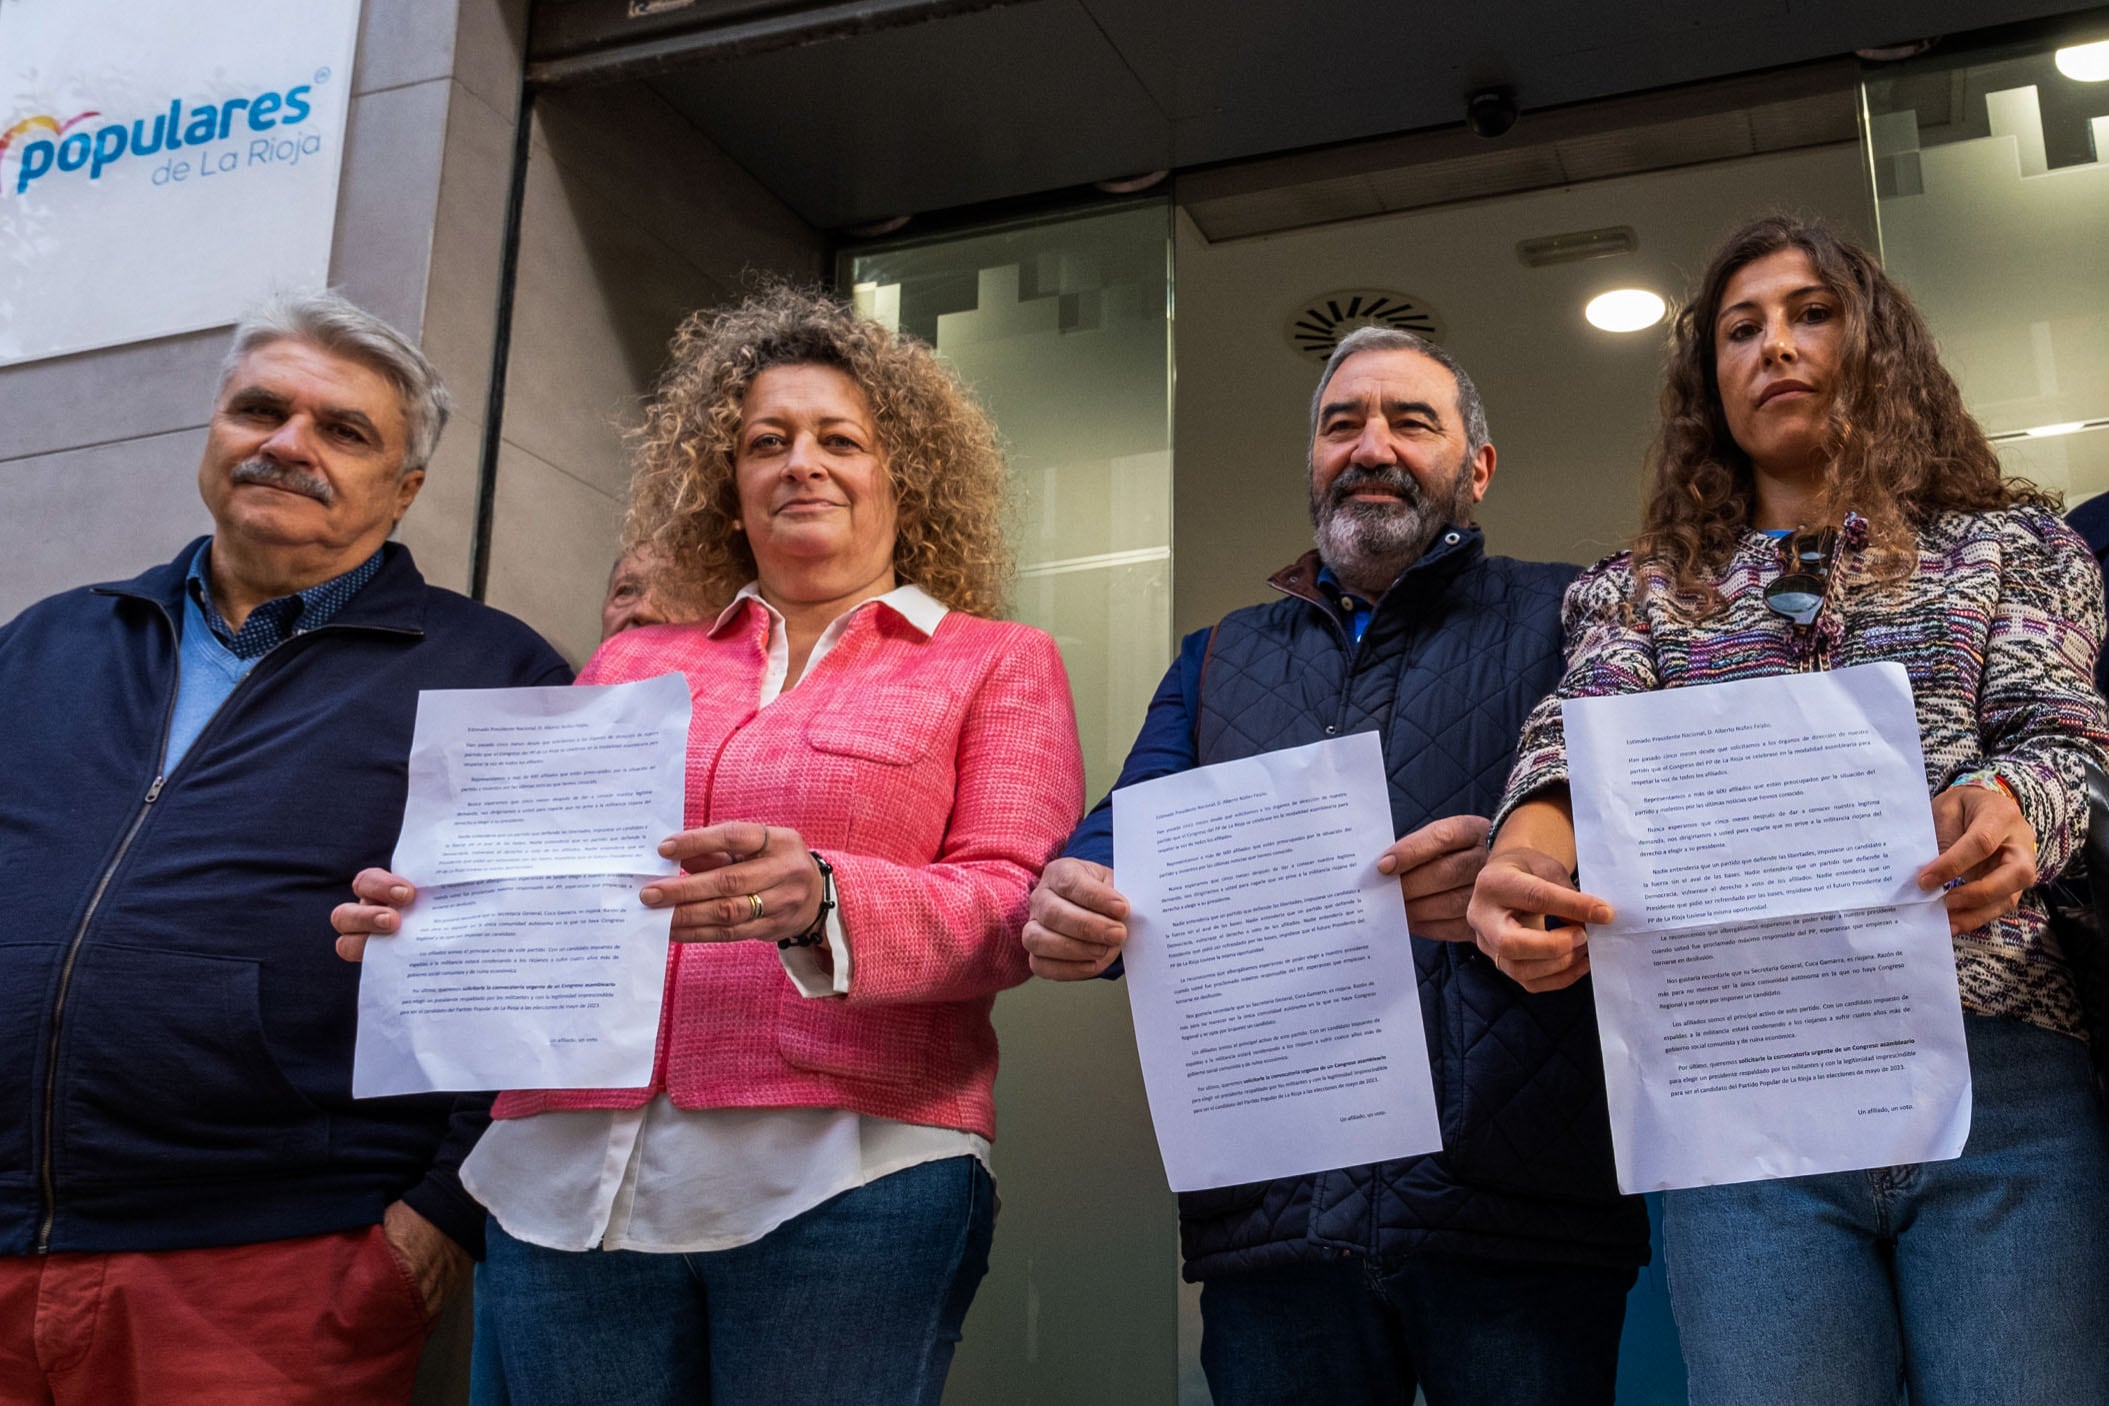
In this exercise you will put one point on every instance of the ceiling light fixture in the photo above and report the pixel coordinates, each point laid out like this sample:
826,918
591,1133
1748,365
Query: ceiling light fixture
1896,53
1577,245
1625,310
879,229
2085,63
1129,185
2064,427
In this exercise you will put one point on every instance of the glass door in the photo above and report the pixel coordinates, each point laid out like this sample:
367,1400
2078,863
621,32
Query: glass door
1991,173
1063,327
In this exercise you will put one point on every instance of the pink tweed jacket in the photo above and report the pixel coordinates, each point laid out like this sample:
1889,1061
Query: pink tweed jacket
938,775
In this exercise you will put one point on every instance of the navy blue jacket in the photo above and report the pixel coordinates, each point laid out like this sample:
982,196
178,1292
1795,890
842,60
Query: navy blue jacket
1454,656
175,1028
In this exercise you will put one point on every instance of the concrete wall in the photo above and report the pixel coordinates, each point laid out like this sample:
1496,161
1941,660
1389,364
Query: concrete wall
99,451
632,220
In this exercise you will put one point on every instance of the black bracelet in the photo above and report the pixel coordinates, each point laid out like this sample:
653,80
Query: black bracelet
816,934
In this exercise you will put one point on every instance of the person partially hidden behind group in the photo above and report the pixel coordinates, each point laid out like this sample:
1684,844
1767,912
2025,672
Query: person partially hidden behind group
1809,429
634,596
799,1208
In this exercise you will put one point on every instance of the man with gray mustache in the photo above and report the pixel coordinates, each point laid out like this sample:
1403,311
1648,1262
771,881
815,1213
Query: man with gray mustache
272,474
1492,1273
193,1208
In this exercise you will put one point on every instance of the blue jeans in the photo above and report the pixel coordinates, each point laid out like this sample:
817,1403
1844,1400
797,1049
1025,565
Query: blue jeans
1469,1332
858,1301
486,1364
1980,1280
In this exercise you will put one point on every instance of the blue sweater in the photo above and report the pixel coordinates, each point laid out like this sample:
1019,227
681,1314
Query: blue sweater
175,1028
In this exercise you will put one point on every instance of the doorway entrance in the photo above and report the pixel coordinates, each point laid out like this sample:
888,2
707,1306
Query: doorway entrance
1135,530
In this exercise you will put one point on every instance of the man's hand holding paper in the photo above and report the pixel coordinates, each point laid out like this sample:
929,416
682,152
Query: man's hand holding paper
1078,922
1436,867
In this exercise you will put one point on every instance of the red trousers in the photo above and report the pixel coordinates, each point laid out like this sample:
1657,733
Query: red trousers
327,1320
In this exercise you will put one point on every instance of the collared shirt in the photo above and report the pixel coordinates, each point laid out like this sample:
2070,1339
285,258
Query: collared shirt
1353,608
279,619
215,659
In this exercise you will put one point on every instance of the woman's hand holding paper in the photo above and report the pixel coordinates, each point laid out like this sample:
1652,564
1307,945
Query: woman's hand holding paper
1988,844
743,883
1525,881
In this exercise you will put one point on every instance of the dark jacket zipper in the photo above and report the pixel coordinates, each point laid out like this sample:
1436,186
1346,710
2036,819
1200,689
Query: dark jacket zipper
47,1170
1348,645
47,1163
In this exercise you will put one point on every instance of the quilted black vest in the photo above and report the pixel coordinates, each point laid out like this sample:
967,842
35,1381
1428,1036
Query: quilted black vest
1455,654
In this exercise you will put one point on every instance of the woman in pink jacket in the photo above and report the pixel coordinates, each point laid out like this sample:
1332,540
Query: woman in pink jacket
798,1208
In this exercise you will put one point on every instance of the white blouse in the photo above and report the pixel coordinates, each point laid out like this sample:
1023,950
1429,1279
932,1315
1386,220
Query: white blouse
682,1180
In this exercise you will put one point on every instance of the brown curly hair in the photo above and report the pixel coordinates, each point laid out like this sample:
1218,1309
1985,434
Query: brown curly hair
942,455
1902,446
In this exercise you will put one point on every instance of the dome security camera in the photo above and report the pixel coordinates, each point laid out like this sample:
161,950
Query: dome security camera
1491,111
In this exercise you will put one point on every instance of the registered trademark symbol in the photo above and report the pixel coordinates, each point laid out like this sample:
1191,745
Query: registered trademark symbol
322,75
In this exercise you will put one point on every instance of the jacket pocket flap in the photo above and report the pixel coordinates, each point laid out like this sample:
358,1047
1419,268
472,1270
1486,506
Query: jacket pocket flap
892,726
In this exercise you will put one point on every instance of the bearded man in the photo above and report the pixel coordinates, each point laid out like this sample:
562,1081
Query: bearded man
1496,1270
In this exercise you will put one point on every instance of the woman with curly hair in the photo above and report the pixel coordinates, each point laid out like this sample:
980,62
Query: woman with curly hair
1820,498
799,1208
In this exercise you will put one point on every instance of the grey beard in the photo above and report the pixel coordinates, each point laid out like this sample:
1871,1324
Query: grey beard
277,475
1367,544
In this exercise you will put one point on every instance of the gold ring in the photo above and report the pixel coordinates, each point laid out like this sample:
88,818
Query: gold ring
756,900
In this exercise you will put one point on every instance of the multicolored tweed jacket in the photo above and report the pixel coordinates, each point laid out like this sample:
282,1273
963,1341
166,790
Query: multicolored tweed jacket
1998,627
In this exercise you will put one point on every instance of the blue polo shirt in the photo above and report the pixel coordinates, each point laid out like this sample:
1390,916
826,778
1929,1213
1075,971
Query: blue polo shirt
1353,607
